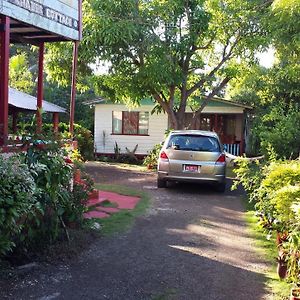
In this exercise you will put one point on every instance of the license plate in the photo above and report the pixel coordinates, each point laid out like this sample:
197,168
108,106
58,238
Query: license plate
191,168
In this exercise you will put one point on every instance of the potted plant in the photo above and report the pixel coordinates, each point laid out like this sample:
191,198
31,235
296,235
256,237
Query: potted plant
295,293
281,266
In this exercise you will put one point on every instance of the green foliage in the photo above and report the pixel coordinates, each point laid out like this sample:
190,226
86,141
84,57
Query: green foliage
61,96
81,134
278,190
285,27
53,177
17,201
151,159
37,197
85,141
20,77
168,50
275,189
127,157
249,175
292,246
274,93
280,129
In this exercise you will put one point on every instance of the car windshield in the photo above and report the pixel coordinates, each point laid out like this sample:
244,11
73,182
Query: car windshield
194,143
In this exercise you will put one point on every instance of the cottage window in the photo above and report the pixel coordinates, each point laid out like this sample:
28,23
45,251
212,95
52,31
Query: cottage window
130,123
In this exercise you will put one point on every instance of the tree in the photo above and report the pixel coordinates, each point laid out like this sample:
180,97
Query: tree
20,77
274,92
174,51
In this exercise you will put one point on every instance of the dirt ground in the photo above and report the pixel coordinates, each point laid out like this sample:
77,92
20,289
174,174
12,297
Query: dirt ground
191,244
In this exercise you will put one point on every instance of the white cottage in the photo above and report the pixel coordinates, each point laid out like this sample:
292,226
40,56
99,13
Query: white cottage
117,125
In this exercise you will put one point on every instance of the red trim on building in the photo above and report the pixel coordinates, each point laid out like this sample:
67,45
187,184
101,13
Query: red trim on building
73,88
55,122
80,19
40,89
127,134
4,71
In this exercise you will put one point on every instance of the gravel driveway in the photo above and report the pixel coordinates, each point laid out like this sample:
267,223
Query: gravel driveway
191,244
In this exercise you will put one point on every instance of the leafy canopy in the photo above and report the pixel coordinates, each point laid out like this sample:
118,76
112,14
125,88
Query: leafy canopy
172,50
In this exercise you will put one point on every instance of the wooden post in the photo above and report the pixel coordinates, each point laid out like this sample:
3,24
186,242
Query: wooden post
15,121
4,70
74,69
216,123
55,122
73,88
40,89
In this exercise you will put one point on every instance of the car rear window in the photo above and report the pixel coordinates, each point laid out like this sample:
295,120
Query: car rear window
194,143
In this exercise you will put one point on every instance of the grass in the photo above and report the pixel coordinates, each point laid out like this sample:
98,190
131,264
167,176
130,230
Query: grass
278,289
133,167
123,220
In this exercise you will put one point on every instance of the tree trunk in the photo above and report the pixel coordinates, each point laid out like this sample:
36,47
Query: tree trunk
180,121
193,124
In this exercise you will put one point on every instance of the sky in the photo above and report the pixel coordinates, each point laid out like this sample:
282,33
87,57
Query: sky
267,58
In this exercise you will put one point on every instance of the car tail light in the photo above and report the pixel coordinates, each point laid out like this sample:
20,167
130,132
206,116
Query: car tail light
163,155
221,159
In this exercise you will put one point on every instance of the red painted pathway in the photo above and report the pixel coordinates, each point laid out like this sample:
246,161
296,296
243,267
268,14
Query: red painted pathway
97,199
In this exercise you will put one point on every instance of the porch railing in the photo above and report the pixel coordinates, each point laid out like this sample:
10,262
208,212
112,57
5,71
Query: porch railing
233,149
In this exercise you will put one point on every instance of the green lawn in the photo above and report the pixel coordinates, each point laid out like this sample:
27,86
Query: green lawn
123,220
278,289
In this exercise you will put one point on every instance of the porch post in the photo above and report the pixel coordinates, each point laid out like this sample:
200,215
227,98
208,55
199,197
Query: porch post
15,121
55,122
40,90
73,88
216,123
4,70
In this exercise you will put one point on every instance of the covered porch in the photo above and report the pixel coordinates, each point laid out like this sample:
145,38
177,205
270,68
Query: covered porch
19,102
227,119
36,24
229,127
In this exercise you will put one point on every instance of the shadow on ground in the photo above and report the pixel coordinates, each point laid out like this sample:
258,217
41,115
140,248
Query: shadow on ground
192,244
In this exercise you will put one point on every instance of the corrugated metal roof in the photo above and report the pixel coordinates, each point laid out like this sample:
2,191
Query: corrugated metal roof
24,101
215,101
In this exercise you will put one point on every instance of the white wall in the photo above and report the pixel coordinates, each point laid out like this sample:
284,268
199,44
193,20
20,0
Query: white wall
104,143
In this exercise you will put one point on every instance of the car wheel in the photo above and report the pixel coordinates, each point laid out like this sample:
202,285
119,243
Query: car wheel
161,183
221,187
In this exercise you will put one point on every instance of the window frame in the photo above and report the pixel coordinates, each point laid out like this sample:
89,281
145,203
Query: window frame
138,123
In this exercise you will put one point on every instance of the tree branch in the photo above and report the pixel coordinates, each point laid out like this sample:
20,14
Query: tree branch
214,92
207,45
225,57
159,98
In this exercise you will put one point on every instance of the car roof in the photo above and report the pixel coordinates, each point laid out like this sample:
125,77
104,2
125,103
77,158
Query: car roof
194,132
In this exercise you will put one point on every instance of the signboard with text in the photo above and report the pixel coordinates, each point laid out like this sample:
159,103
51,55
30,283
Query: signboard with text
61,17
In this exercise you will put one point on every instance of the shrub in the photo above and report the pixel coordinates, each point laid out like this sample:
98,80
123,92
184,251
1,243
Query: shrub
81,134
38,198
151,159
280,128
275,188
278,189
53,178
17,201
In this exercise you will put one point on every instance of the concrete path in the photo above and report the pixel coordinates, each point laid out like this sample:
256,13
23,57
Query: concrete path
192,244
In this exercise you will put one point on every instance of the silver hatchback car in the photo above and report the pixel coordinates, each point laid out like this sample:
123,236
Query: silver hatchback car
192,155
